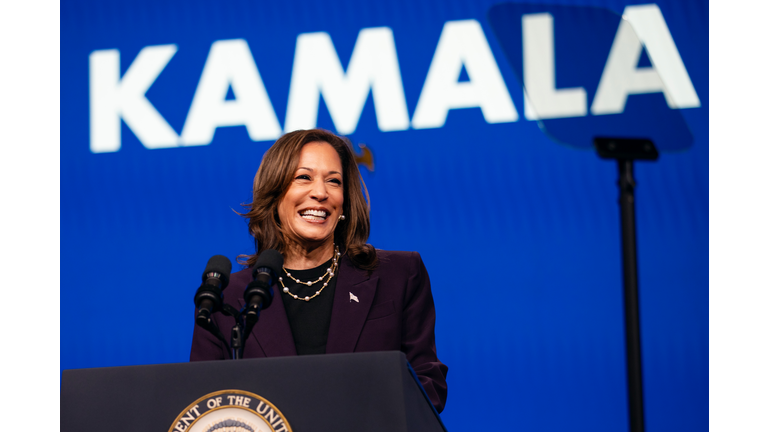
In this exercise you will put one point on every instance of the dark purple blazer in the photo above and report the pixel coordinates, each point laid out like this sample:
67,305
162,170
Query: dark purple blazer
394,311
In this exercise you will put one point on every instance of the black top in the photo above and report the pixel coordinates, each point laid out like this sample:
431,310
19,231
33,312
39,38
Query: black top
309,320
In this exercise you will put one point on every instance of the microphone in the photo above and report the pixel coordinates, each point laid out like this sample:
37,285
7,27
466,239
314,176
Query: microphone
258,294
208,297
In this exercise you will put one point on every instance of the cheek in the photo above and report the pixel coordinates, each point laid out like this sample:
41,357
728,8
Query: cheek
283,210
339,198
287,204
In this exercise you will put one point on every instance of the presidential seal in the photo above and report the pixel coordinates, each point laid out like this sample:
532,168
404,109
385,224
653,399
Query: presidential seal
231,411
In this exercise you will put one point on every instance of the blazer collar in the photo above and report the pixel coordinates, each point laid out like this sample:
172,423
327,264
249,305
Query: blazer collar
273,332
355,291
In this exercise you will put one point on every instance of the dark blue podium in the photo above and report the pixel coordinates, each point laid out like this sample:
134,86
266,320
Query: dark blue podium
375,391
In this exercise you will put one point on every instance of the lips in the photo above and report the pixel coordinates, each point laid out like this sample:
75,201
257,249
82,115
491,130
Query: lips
313,215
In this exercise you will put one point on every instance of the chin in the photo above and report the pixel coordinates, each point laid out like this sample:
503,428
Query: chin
310,238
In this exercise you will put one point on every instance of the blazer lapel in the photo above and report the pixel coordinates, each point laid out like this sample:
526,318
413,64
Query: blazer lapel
354,295
272,332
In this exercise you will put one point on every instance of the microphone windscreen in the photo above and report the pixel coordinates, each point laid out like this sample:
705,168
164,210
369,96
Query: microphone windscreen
219,264
270,259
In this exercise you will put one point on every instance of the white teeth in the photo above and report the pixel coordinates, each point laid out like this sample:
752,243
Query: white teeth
313,214
312,218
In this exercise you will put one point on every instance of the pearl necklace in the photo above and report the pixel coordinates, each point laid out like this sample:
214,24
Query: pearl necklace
330,272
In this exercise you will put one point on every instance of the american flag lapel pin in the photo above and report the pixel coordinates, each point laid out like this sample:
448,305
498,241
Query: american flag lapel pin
353,297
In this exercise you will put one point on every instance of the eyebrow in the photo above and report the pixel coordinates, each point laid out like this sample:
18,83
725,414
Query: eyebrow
311,170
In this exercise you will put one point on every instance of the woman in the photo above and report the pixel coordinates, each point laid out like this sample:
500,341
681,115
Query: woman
337,294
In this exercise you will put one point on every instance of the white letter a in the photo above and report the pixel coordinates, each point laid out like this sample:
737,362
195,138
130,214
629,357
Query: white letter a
462,43
230,63
643,25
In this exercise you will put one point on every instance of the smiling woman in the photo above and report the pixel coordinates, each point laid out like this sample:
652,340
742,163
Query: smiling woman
337,293
312,206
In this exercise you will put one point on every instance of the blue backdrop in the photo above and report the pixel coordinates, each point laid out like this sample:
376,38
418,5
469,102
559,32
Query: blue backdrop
518,226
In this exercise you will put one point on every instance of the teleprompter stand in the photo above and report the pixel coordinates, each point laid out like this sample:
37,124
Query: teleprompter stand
375,392
625,151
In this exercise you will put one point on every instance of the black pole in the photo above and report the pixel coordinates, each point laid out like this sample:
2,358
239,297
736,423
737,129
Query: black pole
625,151
631,304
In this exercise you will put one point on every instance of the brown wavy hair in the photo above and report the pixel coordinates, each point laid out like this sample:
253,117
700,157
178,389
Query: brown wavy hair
275,176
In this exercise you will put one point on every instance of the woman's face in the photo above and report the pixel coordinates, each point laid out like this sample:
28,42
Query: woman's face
310,209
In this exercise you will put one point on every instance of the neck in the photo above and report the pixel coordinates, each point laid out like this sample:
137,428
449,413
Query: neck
302,257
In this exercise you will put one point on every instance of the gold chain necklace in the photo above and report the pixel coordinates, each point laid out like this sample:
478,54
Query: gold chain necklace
330,272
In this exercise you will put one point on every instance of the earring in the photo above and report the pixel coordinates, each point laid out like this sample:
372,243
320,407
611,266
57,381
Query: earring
342,217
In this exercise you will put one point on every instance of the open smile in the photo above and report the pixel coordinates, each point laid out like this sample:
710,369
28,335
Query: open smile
314,215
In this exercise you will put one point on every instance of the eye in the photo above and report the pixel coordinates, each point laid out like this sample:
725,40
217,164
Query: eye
302,177
335,180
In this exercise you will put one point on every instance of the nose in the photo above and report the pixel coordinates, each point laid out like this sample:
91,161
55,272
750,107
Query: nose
319,191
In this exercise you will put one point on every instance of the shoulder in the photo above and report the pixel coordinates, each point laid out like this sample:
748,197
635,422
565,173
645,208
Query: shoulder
387,256
398,261
242,277
237,283
403,272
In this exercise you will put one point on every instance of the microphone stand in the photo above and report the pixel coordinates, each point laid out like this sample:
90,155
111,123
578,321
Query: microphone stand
244,322
238,335
236,341
625,151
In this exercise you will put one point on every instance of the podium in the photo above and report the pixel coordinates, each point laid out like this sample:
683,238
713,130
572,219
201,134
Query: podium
376,391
